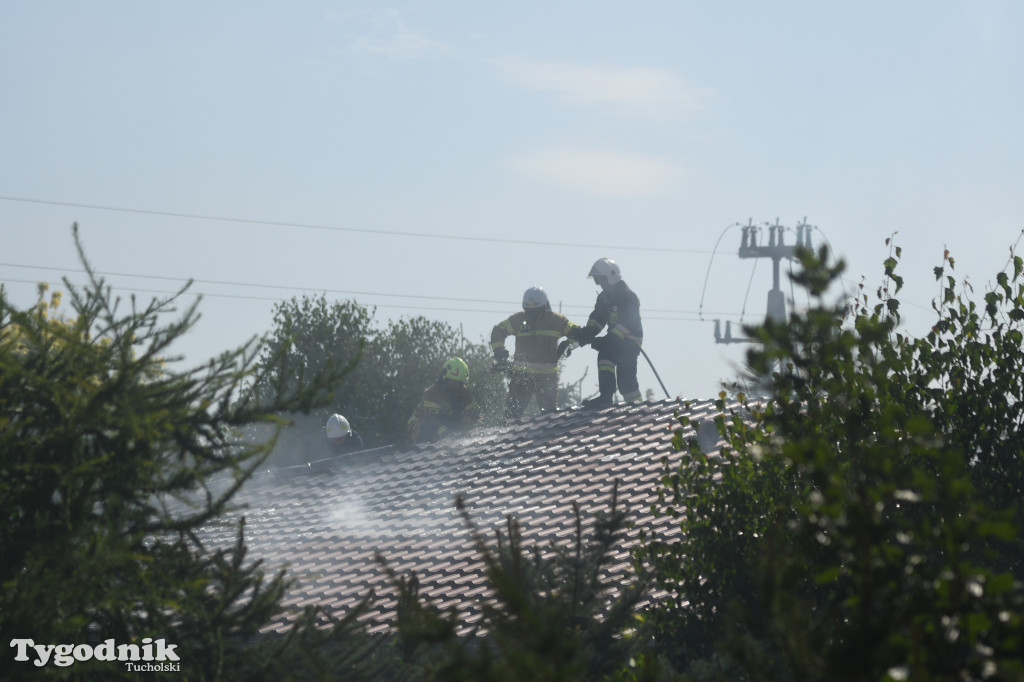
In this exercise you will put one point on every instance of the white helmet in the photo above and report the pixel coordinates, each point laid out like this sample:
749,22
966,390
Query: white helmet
608,268
337,426
535,298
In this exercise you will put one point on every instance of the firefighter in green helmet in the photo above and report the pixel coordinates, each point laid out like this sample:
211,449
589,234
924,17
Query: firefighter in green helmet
447,406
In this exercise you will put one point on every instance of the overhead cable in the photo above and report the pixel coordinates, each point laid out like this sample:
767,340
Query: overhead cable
399,306
307,289
338,228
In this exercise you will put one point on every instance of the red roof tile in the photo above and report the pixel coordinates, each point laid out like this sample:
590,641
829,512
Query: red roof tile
327,522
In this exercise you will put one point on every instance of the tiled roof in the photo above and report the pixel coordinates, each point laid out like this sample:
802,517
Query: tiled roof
327,520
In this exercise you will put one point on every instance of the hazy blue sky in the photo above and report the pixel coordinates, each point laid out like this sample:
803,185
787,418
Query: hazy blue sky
461,152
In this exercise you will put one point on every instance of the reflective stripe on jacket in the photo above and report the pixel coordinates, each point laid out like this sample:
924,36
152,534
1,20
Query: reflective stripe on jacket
618,308
451,409
536,343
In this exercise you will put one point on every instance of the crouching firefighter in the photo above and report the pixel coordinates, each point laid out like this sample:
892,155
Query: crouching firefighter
447,406
618,308
341,437
533,372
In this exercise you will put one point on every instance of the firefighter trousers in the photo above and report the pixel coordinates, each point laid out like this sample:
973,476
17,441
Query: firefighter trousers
525,385
616,367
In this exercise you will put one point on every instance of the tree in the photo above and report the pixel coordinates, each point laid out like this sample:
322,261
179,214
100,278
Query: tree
108,456
408,355
552,614
853,527
391,365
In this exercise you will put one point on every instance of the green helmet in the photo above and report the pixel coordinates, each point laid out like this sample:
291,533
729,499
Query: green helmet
456,369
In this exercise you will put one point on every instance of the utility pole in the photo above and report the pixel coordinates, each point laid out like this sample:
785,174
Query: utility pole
728,338
776,249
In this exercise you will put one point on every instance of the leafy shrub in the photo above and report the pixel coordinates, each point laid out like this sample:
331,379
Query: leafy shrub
108,454
863,521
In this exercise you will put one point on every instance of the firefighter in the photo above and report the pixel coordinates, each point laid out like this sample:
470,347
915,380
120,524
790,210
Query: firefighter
340,436
618,308
447,406
533,371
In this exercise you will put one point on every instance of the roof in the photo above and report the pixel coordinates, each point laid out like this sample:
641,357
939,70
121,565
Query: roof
326,520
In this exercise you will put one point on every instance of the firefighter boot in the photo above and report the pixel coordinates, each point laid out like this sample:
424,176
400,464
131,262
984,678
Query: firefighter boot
606,384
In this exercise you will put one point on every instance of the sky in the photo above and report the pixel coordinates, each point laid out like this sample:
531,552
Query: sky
438,159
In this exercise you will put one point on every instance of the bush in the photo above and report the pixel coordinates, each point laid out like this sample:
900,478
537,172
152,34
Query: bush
101,440
863,521
553,614
390,366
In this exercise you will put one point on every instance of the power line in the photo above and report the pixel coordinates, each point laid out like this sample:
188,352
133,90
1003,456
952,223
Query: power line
252,284
337,228
399,306
205,294
326,291
425,235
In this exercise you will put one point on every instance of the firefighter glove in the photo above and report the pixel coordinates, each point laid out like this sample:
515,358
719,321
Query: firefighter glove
582,335
501,355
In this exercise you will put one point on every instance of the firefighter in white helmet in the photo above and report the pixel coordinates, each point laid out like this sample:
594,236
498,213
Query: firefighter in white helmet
447,406
340,436
618,308
533,372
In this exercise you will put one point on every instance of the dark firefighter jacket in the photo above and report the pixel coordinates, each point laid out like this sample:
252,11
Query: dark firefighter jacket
618,308
442,410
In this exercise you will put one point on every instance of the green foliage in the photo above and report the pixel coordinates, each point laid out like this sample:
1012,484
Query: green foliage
863,522
970,367
323,648
391,366
107,458
725,504
552,616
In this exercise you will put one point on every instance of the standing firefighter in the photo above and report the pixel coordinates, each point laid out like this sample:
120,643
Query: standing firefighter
617,351
447,406
534,368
